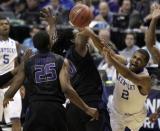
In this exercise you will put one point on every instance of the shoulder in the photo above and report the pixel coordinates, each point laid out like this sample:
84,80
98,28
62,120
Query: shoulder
57,56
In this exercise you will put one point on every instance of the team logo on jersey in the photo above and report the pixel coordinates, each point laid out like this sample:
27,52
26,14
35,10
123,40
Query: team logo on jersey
124,83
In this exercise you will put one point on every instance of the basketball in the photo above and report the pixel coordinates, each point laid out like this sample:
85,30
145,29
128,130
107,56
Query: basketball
80,15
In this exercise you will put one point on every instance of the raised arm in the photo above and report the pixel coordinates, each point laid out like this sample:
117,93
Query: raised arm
151,36
47,15
71,93
143,81
99,44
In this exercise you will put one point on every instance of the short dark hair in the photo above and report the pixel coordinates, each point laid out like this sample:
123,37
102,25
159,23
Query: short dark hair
145,53
3,17
41,41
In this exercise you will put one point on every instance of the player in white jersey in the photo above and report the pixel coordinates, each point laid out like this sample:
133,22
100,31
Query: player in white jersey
131,89
8,55
127,109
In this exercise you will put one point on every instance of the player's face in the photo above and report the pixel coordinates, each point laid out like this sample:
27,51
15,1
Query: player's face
81,38
4,27
137,62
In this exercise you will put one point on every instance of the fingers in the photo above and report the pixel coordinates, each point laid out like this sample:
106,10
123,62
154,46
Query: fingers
6,102
153,117
27,55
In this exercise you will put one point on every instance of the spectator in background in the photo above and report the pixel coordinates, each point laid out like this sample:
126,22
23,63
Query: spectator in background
67,4
126,7
31,15
134,16
130,46
6,5
142,6
59,11
113,4
28,42
19,9
104,13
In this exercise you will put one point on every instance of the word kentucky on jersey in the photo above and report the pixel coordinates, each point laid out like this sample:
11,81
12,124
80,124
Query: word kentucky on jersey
8,50
126,84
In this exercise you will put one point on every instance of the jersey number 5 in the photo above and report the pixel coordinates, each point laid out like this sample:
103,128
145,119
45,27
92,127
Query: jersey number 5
45,73
5,58
125,94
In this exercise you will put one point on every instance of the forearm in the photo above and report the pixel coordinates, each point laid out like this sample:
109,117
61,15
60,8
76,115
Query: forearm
53,34
15,85
122,69
75,99
150,39
96,41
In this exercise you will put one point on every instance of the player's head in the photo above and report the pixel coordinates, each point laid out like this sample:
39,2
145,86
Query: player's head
4,26
139,60
81,38
41,41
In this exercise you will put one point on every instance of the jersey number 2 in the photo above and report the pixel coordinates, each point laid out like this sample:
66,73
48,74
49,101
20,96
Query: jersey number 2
45,73
125,94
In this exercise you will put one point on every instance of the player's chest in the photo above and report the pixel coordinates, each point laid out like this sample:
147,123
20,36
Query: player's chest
124,83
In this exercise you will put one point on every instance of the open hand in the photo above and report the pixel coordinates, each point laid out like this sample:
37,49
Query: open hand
7,99
47,15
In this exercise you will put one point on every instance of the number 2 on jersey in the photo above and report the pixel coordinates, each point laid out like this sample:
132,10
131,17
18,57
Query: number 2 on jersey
45,73
125,94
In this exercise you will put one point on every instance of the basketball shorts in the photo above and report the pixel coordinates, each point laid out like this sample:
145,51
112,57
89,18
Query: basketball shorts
13,110
45,116
119,121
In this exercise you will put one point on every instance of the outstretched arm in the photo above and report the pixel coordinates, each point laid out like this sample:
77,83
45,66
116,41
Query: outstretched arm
71,93
142,81
99,44
47,15
14,87
151,36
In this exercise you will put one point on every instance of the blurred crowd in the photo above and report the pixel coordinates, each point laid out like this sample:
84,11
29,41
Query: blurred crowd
123,13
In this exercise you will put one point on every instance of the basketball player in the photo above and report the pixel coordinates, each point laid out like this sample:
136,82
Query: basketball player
8,55
131,89
48,77
155,52
87,83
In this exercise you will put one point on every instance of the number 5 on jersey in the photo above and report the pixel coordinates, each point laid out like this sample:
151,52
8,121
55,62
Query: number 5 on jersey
5,58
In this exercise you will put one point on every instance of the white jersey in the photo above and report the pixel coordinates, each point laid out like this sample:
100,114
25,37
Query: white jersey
8,53
126,96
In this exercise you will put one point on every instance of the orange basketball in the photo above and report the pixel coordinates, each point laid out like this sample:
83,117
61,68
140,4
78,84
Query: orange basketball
80,15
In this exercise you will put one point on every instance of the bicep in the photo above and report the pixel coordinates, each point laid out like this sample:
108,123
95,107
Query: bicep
64,76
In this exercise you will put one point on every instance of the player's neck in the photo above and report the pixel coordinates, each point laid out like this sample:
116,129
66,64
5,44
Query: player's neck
5,37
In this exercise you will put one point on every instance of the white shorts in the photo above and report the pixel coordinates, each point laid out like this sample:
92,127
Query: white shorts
13,110
119,121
